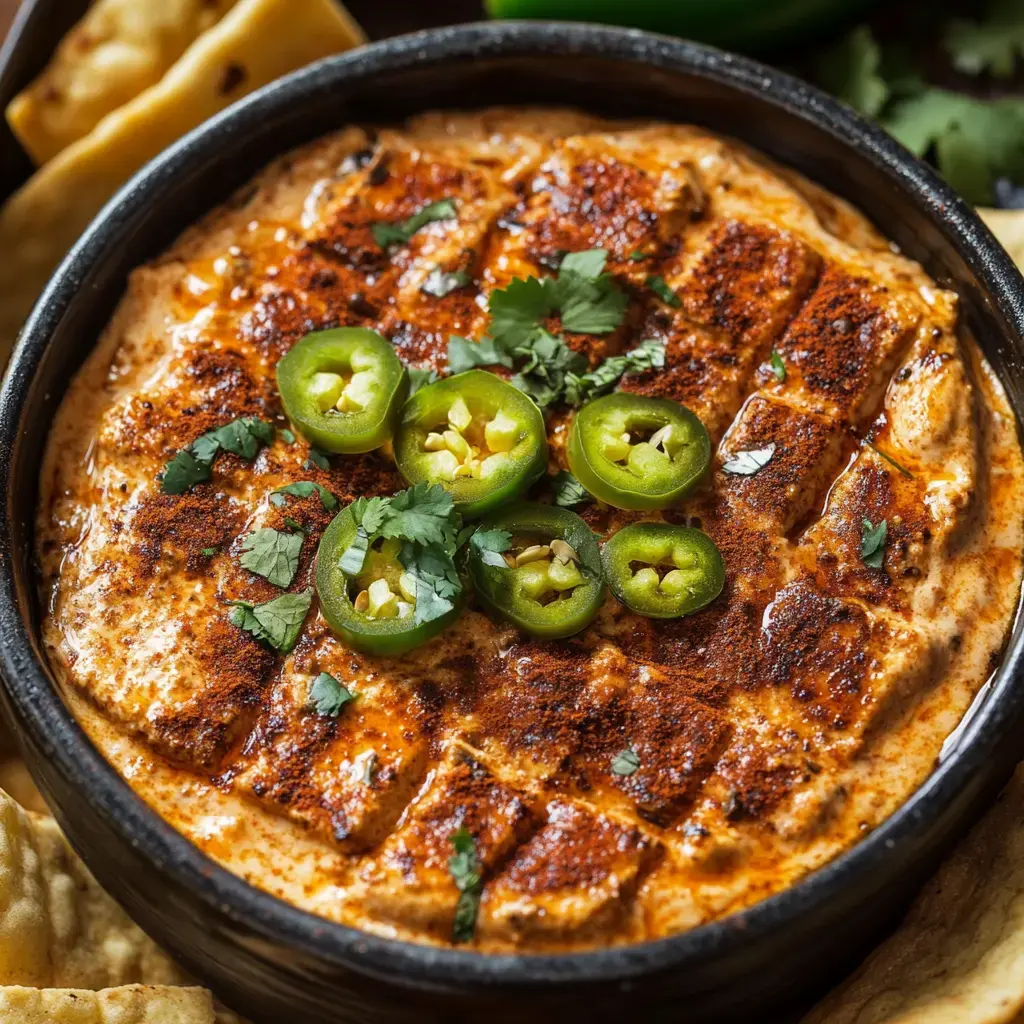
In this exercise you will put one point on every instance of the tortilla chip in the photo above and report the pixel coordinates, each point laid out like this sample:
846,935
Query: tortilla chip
958,958
119,48
131,1004
57,926
1008,227
256,42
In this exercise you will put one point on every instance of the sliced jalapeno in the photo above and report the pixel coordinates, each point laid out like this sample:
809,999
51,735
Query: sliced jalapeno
481,438
374,609
635,452
551,585
343,388
663,571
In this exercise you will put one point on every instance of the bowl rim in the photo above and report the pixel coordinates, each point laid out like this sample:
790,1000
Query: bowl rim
53,728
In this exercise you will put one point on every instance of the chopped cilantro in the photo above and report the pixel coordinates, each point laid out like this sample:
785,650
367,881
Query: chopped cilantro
648,355
209,552
625,762
273,555
872,543
276,623
568,491
286,435
637,256
490,544
194,464
660,287
420,378
750,462
464,867
316,458
424,519
304,489
327,696
588,302
399,233
778,366
440,283
293,525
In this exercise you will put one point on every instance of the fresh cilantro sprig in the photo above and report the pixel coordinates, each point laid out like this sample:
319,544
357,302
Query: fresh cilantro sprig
192,465
648,355
327,696
387,234
587,301
464,867
778,366
272,554
625,762
420,379
276,623
424,519
439,283
490,545
974,141
661,288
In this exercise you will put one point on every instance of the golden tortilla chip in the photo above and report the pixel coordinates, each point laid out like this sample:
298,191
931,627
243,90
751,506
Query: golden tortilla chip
57,926
958,958
1008,227
256,42
119,48
130,1004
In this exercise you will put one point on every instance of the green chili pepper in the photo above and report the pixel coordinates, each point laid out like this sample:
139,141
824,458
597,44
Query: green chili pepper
637,453
343,388
554,587
480,438
384,621
741,24
663,571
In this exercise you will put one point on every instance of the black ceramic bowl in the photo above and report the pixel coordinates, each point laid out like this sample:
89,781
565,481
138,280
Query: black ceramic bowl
275,963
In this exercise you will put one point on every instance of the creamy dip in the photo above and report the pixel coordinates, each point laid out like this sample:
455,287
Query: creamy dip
773,729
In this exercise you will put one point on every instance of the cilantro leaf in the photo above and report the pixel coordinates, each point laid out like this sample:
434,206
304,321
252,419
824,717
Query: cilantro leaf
852,71
589,300
194,464
272,555
648,355
518,309
778,366
209,552
276,623
370,513
316,458
353,557
625,762
464,354
440,283
544,375
420,378
872,543
490,544
286,435
419,514
660,287
991,45
305,489
750,462
464,867
327,696
568,491
385,234
590,263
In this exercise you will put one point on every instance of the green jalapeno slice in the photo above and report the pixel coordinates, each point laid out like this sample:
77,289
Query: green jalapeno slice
480,438
343,389
551,584
663,571
637,453
373,610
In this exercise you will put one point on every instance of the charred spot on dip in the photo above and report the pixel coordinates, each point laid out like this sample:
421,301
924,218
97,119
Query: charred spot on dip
343,389
478,437
637,453
539,567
